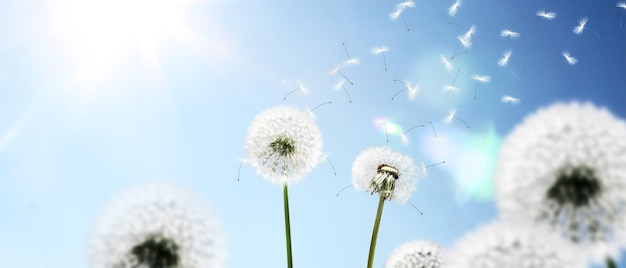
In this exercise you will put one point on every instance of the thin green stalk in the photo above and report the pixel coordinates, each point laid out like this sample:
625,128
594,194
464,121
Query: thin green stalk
379,213
287,226
610,263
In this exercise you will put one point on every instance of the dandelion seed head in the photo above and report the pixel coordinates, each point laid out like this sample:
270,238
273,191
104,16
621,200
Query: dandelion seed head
450,116
379,50
454,8
507,98
546,15
565,167
386,172
581,26
283,144
157,224
483,79
419,253
505,244
509,33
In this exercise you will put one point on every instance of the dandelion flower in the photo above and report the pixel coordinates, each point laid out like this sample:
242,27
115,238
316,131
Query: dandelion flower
446,63
505,58
386,172
417,253
157,225
509,99
565,167
546,15
454,8
509,33
571,60
502,244
283,144
581,26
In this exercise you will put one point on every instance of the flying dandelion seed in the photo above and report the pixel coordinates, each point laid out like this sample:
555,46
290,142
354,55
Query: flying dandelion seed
434,132
505,58
569,58
451,87
546,15
327,158
454,8
411,90
400,8
337,70
466,39
621,5
321,104
340,85
301,88
480,79
509,33
346,50
509,99
446,63
381,50
582,22
452,115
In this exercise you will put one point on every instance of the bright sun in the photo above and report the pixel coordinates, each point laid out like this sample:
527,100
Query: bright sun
98,32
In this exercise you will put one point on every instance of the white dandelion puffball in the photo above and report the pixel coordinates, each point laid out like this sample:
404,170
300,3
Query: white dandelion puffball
384,171
565,167
416,254
507,245
157,224
283,144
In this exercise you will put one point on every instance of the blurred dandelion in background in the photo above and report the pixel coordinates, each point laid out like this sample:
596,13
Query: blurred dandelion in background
565,167
157,224
505,244
417,254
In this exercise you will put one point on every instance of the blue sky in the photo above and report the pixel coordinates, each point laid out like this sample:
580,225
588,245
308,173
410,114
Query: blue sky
96,99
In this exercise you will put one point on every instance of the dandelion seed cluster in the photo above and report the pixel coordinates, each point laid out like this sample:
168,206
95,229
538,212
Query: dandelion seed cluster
283,144
386,172
417,254
157,224
565,166
502,244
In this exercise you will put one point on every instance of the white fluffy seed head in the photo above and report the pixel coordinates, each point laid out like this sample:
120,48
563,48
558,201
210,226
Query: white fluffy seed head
283,144
367,166
157,222
565,167
419,253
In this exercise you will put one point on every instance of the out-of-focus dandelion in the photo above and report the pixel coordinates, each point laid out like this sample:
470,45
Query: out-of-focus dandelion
466,38
451,87
546,15
388,173
509,99
340,85
446,63
503,244
569,58
454,8
505,58
509,33
381,50
283,145
452,115
399,9
480,79
301,88
157,224
565,167
621,5
411,90
419,253
582,22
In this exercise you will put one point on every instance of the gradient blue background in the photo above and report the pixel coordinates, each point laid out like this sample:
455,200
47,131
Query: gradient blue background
66,147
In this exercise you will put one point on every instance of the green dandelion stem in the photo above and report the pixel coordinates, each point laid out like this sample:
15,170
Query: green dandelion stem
379,213
287,226
610,263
